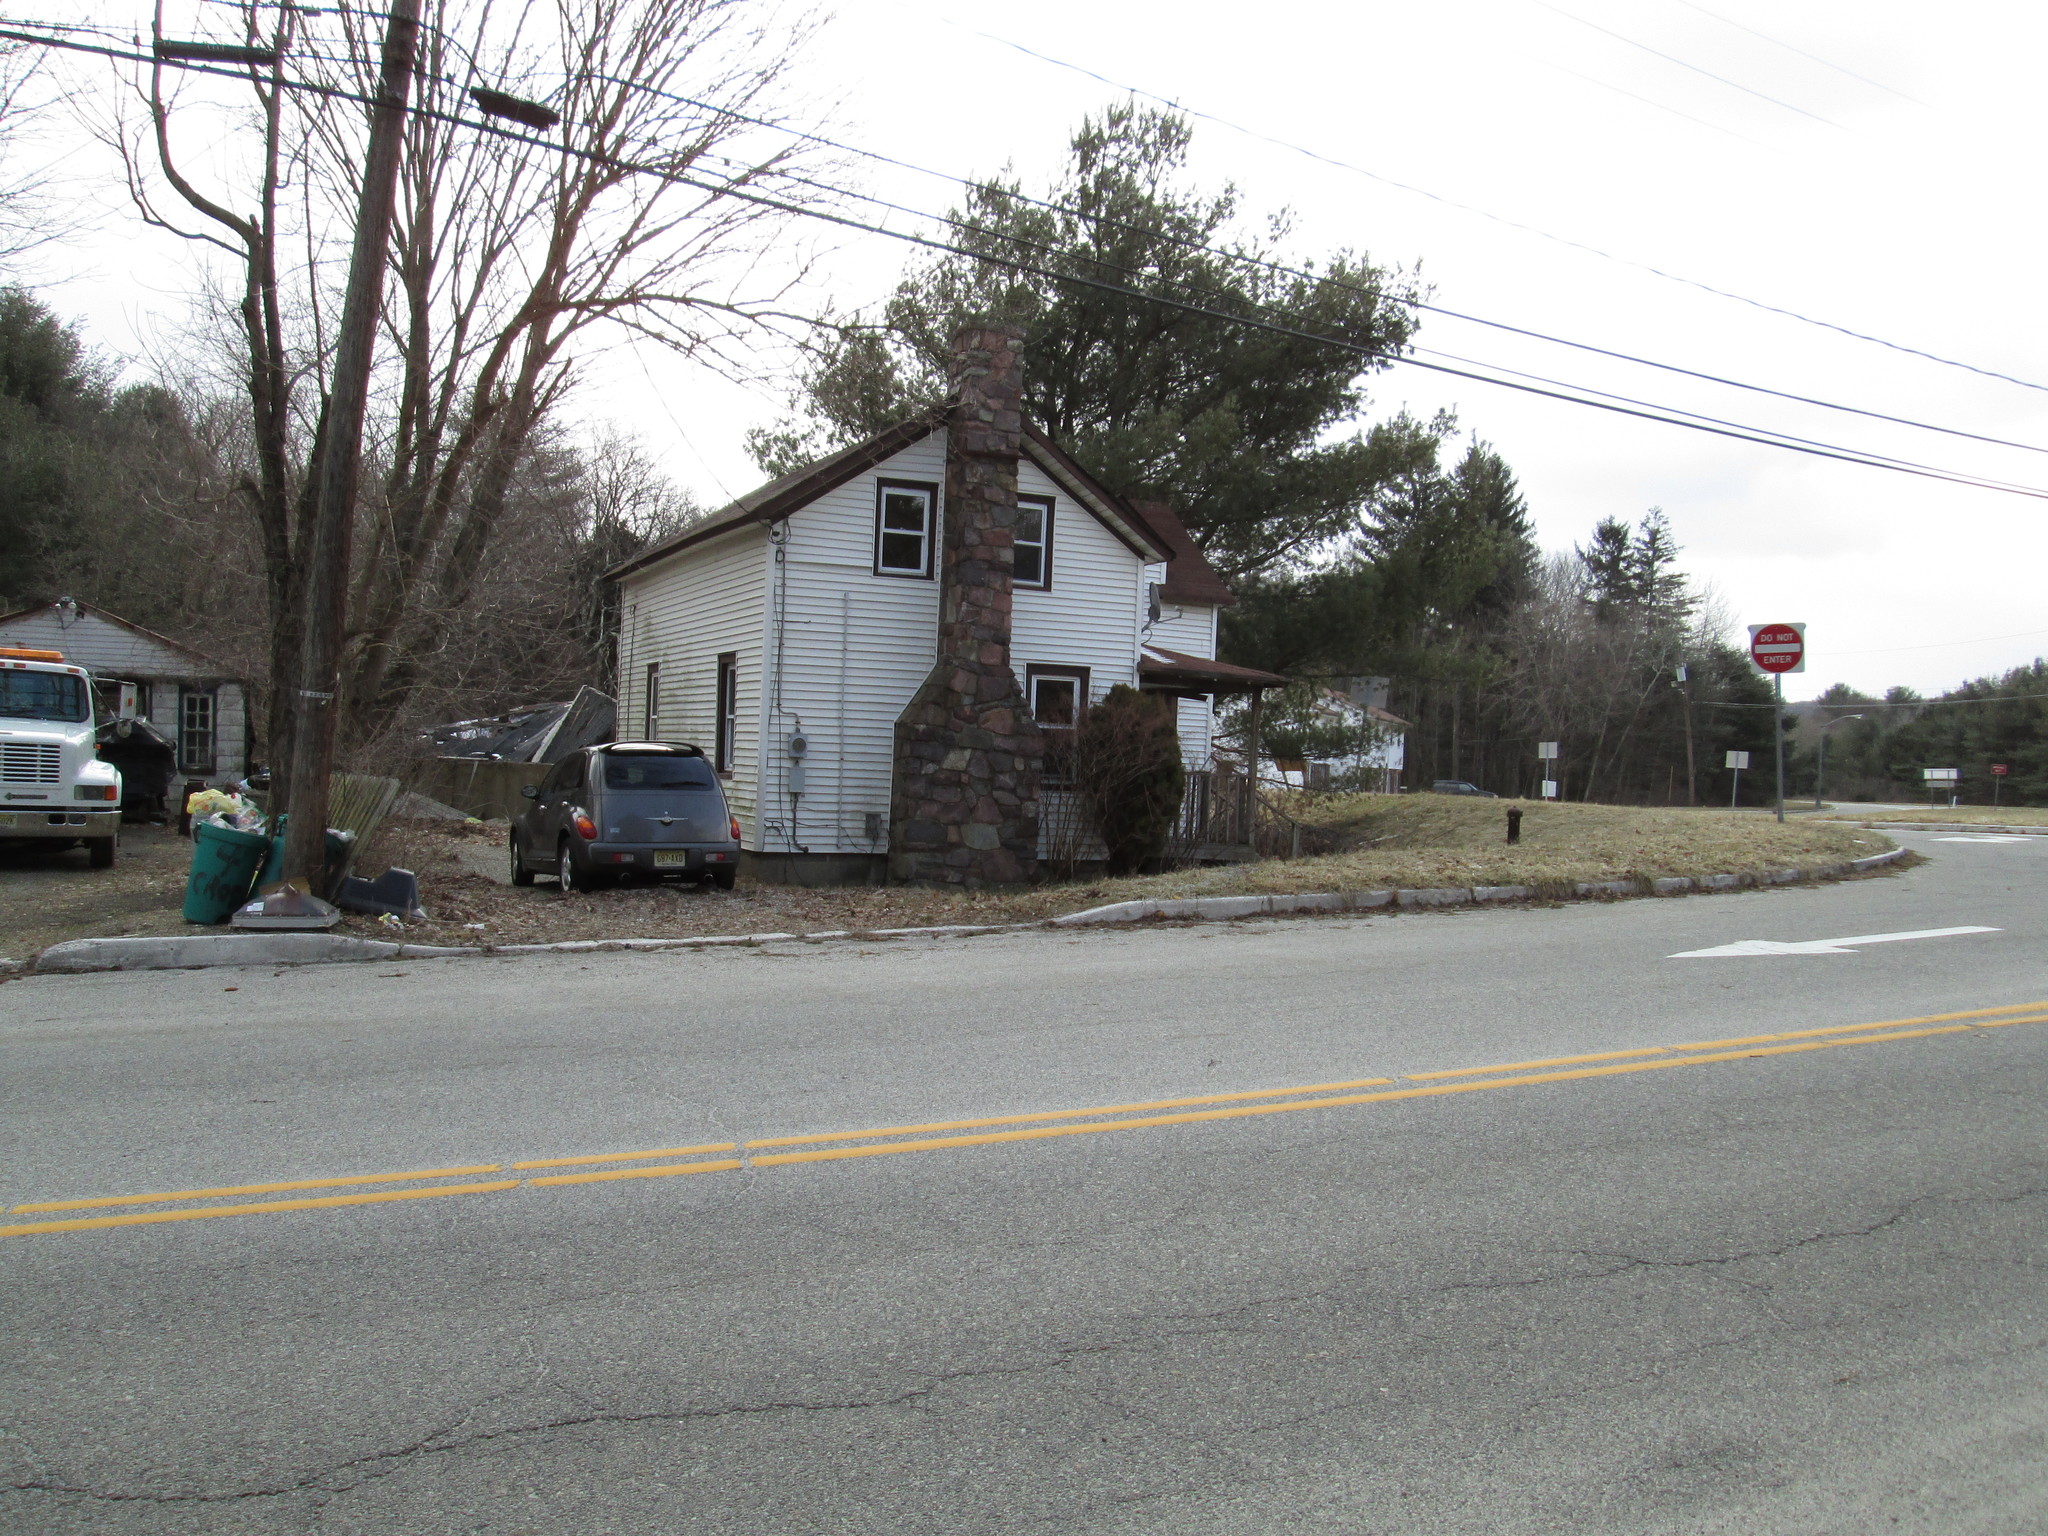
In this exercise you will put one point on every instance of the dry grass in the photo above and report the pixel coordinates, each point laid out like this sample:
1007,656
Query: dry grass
1389,842
2006,815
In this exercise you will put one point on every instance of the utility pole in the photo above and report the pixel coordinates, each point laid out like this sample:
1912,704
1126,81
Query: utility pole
1692,793
337,462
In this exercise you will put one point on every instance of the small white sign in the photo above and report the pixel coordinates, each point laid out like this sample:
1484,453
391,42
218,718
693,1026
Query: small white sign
1941,775
1550,789
1738,760
1547,750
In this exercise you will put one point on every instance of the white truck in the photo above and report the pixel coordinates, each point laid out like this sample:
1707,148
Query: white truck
54,790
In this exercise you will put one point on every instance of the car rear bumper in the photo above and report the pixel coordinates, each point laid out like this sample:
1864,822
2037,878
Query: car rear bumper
37,822
665,859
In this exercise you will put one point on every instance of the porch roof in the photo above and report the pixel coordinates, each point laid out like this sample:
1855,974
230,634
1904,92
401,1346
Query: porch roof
1159,667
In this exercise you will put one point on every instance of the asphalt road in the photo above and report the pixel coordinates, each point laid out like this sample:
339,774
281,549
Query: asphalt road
1788,1285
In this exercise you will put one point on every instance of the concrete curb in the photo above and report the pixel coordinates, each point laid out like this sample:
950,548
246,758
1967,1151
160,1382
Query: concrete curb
199,950
1223,907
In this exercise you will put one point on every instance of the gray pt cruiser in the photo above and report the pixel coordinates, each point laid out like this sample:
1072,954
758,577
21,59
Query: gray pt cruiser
651,808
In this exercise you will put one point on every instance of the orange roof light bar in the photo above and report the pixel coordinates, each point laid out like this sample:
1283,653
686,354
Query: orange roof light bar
23,653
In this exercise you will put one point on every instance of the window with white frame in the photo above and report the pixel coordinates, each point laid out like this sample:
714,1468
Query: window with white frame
1033,566
905,525
652,720
1057,696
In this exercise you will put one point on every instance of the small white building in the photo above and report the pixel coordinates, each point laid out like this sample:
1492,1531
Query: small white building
787,634
191,698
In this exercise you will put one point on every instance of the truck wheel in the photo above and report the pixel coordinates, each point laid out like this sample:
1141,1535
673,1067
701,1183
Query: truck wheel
521,875
103,851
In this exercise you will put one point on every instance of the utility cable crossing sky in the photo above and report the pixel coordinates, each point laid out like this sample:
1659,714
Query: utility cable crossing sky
1641,410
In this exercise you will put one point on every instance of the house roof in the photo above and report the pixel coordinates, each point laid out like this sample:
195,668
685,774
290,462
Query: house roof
777,499
1190,579
37,610
1157,664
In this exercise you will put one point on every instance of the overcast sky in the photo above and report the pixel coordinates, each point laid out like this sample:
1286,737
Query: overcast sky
1874,166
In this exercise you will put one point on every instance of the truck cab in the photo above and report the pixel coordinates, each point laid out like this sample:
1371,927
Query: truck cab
54,790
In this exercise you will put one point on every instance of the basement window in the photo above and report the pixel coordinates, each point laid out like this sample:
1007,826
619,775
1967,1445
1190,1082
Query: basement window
905,526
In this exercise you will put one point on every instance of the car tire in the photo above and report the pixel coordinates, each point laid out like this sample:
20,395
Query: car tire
521,875
103,851
724,878
572,880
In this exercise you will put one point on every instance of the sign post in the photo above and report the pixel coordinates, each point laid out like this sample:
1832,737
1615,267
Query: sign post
1998,773
1778,649
1738,761
1939,779
1546,753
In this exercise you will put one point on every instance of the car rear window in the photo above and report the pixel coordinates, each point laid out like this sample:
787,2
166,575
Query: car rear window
656,770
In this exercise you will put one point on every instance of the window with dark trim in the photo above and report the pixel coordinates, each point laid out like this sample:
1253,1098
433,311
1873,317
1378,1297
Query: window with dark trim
195,730
652,731
1034,543
906,525
728,710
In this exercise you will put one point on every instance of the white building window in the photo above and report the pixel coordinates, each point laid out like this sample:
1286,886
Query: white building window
1034,543
904,527
728,710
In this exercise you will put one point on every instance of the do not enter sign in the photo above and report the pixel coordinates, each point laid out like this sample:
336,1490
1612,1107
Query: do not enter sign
1778,647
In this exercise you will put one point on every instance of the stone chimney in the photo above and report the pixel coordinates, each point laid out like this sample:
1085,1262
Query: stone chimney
964,808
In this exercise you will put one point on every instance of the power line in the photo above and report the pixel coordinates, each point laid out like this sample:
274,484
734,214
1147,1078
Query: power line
1779,42
1639,410
1497,218
1248,259
1672,58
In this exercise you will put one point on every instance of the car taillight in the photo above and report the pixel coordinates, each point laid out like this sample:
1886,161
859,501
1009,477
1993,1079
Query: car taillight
585,827
735,829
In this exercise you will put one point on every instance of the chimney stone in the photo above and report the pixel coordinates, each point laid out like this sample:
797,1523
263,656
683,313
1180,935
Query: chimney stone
968,754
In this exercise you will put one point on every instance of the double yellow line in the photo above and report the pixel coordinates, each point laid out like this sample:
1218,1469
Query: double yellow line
944,1135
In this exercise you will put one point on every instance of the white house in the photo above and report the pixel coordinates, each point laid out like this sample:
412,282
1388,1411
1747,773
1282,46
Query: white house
790,635
191,698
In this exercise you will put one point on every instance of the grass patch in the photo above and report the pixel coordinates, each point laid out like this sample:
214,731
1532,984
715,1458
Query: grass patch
2003,815
1386,842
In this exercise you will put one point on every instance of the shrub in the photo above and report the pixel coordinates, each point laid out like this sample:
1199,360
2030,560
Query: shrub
1127,767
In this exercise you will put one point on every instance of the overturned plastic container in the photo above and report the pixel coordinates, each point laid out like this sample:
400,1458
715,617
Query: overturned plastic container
224,867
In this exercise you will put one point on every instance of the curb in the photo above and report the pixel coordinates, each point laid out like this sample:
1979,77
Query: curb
200,950
1222,907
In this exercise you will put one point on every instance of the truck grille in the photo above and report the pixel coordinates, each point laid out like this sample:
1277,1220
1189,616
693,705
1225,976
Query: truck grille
29,764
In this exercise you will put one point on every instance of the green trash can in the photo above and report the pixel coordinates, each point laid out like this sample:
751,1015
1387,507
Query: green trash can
224,866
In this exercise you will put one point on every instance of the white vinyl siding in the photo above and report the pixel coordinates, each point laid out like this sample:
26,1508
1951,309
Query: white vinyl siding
1191,630
1090,617
680,615
855,646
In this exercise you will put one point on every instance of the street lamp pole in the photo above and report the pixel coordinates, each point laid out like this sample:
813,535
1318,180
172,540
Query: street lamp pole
1820,767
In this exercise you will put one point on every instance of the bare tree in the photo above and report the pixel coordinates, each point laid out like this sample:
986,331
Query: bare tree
648,209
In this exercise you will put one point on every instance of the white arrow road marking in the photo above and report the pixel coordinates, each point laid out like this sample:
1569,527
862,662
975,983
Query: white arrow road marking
1991,839
1820,946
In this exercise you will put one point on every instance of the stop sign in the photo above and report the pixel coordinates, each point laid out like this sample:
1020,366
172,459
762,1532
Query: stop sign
1778,647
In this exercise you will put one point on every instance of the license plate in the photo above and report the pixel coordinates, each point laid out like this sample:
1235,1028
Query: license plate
671,859
9,819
